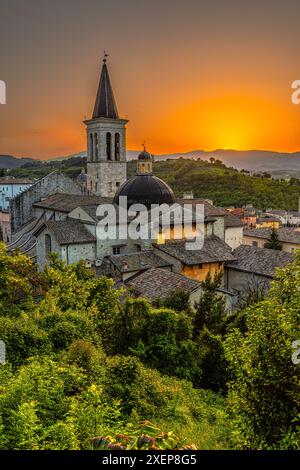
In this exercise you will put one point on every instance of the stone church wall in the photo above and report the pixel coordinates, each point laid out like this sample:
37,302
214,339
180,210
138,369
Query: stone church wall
21,209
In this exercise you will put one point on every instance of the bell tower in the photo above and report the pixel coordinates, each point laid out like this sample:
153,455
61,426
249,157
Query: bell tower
106,142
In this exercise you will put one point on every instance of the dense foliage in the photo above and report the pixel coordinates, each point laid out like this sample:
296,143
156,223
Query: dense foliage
265,391
86,361
145,437
226,186
80,363
210,180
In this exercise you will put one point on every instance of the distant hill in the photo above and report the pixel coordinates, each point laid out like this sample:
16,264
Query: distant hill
280,165
225,186
255,160
8,161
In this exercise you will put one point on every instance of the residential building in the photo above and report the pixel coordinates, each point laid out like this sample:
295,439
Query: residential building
5,233
290,218
233,231
126,266
267,222
252,271
288,236
197,263
11,187
156,284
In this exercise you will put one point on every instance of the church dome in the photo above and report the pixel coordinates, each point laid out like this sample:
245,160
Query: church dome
145,189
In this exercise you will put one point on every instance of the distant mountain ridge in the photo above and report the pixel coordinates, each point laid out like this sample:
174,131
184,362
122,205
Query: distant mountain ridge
253,160
8,161
262,160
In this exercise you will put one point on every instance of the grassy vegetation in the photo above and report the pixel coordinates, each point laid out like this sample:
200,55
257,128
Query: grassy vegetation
85,361
224,186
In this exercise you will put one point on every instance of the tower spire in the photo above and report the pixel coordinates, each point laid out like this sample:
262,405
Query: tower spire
105,105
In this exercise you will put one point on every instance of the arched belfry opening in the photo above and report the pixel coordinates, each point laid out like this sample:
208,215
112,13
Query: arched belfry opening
108,145
117,146
91,147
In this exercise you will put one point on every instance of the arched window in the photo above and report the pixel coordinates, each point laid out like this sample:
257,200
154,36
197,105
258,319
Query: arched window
48,247
96,147
91,147
108,145
117,146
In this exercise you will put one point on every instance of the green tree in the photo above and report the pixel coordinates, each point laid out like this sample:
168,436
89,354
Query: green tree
264,394
177,300
210,309
273,242
213,364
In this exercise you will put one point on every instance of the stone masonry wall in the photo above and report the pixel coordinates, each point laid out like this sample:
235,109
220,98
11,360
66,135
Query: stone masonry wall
21,209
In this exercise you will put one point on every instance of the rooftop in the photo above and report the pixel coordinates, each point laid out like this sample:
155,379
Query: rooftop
8,180
284,213
259,260
137,261
157,283
285,234
232,221
214,250
105,105
67,202
67,232
209,209
267,219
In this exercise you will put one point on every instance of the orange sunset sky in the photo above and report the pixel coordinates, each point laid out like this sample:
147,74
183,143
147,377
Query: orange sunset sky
188,74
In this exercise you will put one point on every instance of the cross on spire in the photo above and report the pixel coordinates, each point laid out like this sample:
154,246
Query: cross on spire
104,56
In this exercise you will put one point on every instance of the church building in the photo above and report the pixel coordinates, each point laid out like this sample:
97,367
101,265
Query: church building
60,215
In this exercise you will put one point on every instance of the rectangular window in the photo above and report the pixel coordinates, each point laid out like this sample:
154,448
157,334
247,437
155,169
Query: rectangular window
116,250
254,243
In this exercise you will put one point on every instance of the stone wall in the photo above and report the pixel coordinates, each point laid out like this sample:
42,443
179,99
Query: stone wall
105,178
71,253
234,236
244,283
21,206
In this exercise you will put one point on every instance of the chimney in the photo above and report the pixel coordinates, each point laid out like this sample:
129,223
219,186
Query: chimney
190,195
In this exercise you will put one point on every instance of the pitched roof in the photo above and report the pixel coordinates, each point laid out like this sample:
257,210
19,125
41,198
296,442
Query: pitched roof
157,283
232,221
214,250
67,202
68,231
285,234
105,105
283,213
267,219
209,209
137,261
7,180
261,261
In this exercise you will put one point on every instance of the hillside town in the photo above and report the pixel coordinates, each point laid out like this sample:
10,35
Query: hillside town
58,214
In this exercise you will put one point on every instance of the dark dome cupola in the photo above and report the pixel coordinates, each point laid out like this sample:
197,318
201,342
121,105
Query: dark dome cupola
145,188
